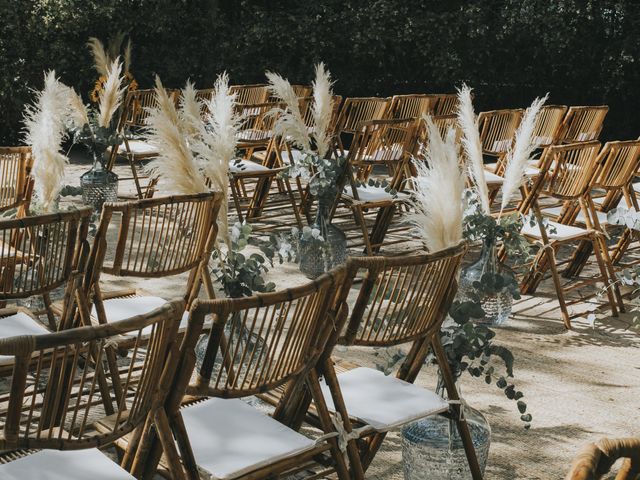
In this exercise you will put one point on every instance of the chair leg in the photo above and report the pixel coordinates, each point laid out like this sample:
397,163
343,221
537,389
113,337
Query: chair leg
461,423
168,445
551,258
134,173
359,218
608,274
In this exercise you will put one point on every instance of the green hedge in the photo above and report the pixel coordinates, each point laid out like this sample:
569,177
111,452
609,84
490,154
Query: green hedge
583,52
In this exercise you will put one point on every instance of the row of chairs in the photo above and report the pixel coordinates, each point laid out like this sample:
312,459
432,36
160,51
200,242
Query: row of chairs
123,369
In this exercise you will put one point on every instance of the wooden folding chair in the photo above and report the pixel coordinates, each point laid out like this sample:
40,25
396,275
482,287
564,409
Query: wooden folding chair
444,103
39,255
400,300
443,123
386,143
353,113
135,149
548,124
268,342
157,237
410,106
60,384
16,183
582,124
497,129
565,173
250,94
597,459
302,91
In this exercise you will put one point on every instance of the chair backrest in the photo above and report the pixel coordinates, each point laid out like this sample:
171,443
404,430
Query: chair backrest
302,91
355,111
410,106
57,408
41,253
548,123
258,122
597,459
157,237
400,299
15,182
566,172
498,129
250,94
583,124
137,106
444,103
617,164
444,123
259,343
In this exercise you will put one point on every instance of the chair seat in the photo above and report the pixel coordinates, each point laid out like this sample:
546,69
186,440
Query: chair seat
382,401
124,307
64,465
140,147
562,232
252,134
493,180
385,154
19,324
230,438
295,153
374,194
555,211
246,166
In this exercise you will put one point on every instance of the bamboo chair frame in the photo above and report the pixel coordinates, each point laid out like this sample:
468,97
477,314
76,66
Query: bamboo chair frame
388,143
250,94
497,129
596,459
41,253
410,106
353,113
15,176
293,325
582,124
61,409
444,123
548,124
565,173
132,125
445,103
157,237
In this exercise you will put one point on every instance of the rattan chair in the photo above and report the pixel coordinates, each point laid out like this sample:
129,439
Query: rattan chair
401,300
582,124
16,184
548,124
353,113
410,106
380,143
565,175
157,237
256,345
444,103
60,385
39,255
497,130
250,94
597,459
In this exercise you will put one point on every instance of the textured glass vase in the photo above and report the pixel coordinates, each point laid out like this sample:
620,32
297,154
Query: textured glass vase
98,184
497,307
432,448
318,257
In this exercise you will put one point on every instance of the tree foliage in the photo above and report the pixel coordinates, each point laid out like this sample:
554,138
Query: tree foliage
582,51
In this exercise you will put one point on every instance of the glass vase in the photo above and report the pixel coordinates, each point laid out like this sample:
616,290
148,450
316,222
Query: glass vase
432,448
497,307
320,256
98,184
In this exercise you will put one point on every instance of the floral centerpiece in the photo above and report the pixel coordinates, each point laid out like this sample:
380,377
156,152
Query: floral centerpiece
322,246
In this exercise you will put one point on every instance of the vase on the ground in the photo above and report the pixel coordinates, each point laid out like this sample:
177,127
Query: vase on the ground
432,448
326,247
98,184
497,306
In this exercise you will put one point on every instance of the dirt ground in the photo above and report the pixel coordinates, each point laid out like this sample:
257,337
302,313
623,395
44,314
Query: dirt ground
580,385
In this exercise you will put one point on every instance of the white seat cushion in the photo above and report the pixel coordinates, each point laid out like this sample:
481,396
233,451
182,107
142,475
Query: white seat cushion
230,438
64,465
295,153
492,179
19,324
140,147
562,232
246,166
126,307
254,135
384,402
386,154
373,194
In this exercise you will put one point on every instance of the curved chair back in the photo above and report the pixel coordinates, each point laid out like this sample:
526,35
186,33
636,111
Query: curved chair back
259,343
498,129
250,94
583,124
401,299
597,459
57,408
355,111
547,126
16,185
617,164
137,106
445,103
410,106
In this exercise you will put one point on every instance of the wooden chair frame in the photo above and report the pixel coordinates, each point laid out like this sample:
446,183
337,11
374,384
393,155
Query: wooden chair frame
410,106
353,113
17,183
548,125
582,124
596,459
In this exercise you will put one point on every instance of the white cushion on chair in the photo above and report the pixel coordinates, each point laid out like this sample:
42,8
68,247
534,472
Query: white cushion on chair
492,179
140,147
126,307
373,194
230,438
246,166
562,232
64,465
295,153
382,401
19,324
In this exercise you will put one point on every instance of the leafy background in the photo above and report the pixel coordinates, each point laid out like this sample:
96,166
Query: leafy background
581,51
